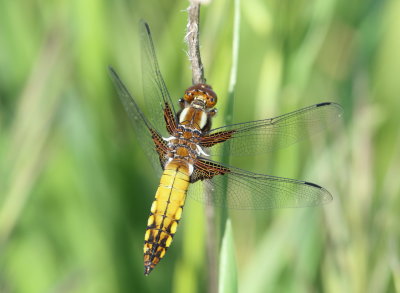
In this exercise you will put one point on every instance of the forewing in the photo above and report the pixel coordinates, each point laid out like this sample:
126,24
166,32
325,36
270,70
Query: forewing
154,89
269,134
239,189
142,127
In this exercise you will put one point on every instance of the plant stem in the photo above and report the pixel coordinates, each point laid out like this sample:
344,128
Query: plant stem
228,114
192,39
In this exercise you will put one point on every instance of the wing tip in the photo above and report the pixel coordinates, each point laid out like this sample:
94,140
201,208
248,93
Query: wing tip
313,184
115,77
111,69
328,104
338,107
327,197
143,23
323,104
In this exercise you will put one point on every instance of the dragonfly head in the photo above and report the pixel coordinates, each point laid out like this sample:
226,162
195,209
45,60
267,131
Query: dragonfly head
201,94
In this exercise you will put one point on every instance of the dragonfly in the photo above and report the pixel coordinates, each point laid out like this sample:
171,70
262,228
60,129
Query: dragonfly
183,147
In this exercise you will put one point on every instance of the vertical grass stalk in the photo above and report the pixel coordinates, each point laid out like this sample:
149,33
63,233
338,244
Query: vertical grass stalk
227,263
228,115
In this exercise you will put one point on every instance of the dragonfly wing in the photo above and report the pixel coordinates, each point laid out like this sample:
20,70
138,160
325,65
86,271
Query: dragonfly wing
150,140
154,89
239,189
269,134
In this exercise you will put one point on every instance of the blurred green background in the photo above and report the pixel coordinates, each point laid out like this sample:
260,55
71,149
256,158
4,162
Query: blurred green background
75,188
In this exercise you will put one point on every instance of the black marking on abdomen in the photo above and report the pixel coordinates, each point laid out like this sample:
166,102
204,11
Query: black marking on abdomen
164,215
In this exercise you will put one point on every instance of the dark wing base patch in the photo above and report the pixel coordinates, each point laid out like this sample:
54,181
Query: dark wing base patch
212,139
161,146
204,169
169,118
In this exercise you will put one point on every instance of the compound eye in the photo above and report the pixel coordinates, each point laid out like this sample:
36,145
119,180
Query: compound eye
211,101
188,97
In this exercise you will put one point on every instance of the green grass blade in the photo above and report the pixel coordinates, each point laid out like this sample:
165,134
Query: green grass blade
227,266
228,115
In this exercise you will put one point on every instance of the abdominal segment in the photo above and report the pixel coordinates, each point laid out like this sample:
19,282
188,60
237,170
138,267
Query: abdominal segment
165,213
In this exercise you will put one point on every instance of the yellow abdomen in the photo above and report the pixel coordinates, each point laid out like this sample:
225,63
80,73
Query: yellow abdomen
166,212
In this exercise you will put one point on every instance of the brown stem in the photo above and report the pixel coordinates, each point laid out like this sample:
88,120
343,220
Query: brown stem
192,39
211,245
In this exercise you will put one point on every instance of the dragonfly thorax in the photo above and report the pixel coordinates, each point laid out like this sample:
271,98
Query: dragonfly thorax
193,117
184,146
